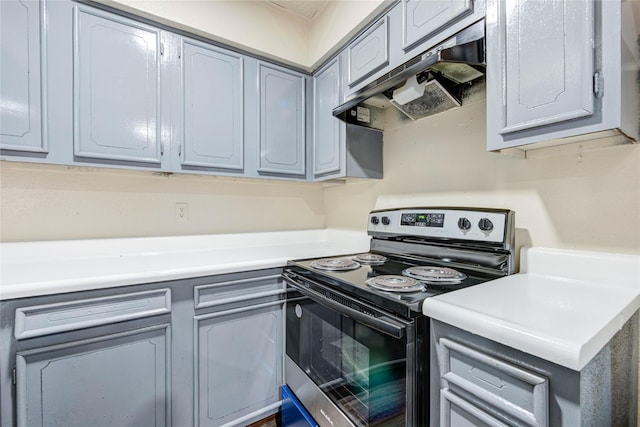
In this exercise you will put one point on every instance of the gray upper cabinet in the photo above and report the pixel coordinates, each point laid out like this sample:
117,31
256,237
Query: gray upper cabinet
116,88
212,103
559,72
423,18
328,131
282,118
561,51
340,150
369,52
20,77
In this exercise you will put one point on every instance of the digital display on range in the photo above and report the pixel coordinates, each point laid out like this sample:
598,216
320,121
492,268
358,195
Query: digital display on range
422,219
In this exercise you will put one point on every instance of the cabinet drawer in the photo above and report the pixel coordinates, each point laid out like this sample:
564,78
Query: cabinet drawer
369,53
508,388
231,291
458,412
50,319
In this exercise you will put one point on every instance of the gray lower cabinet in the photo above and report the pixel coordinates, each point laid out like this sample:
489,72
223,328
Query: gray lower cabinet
211,107
202,351
587,54
118,379
101,359
478,382
20,79
238,362
238,348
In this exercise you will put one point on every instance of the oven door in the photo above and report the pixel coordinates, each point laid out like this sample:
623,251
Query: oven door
348,362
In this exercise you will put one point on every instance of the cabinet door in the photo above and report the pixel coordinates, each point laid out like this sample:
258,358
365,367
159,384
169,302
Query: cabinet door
116,88
238,362
422,18
548,68
213,106
20,77
328,131
282,121
116,380
369,52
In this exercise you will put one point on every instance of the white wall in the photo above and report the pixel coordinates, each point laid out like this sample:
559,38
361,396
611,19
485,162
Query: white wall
572,199
46,202
262,28
256,26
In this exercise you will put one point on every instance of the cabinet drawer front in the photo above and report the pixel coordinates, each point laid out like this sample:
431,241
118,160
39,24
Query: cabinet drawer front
63,317
369,53
558,47
508,388
116,88
423,18
458,412
230,291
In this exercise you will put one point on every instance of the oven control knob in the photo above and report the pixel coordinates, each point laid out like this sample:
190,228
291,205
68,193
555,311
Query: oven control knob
485,224
464,224
374,220
386,220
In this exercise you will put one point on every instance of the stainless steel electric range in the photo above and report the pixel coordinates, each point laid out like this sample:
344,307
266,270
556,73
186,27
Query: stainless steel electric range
357,343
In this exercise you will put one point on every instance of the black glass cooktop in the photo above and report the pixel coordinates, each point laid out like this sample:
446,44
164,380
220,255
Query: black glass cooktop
354,282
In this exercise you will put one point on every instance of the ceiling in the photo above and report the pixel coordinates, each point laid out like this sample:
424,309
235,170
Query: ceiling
307,9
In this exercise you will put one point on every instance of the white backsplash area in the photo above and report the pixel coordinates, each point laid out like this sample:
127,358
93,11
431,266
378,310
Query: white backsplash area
49,202
565,198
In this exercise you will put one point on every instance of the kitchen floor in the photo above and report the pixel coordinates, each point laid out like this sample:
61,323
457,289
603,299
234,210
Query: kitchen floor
272,421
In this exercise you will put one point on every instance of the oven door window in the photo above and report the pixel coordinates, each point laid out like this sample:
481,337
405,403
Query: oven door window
362,370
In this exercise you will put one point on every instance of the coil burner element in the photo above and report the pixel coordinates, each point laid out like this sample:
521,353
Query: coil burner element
370,259
335,264
435,275
392,283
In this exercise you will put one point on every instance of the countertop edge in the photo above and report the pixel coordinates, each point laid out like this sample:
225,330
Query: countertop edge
243,252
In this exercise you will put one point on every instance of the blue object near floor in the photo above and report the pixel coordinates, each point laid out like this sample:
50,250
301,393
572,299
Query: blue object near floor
293,413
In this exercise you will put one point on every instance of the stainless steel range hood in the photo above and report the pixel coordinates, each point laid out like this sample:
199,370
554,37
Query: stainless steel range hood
428,84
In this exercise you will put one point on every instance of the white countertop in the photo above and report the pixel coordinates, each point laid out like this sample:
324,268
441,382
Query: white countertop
41,268
563,306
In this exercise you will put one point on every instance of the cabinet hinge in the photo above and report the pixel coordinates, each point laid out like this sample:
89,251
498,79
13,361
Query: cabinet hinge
14,376
598,84
161,48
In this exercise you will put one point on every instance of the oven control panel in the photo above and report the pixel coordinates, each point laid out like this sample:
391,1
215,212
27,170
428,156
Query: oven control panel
484,225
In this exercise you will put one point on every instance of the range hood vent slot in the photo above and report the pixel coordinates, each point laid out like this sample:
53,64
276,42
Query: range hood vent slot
430,83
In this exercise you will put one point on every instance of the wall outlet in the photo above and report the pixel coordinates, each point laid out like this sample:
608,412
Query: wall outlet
182,212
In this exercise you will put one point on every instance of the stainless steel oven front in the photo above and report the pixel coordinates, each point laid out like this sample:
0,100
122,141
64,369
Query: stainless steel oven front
352,364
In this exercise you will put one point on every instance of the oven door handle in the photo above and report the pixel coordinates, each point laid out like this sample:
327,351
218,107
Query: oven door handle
381,322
